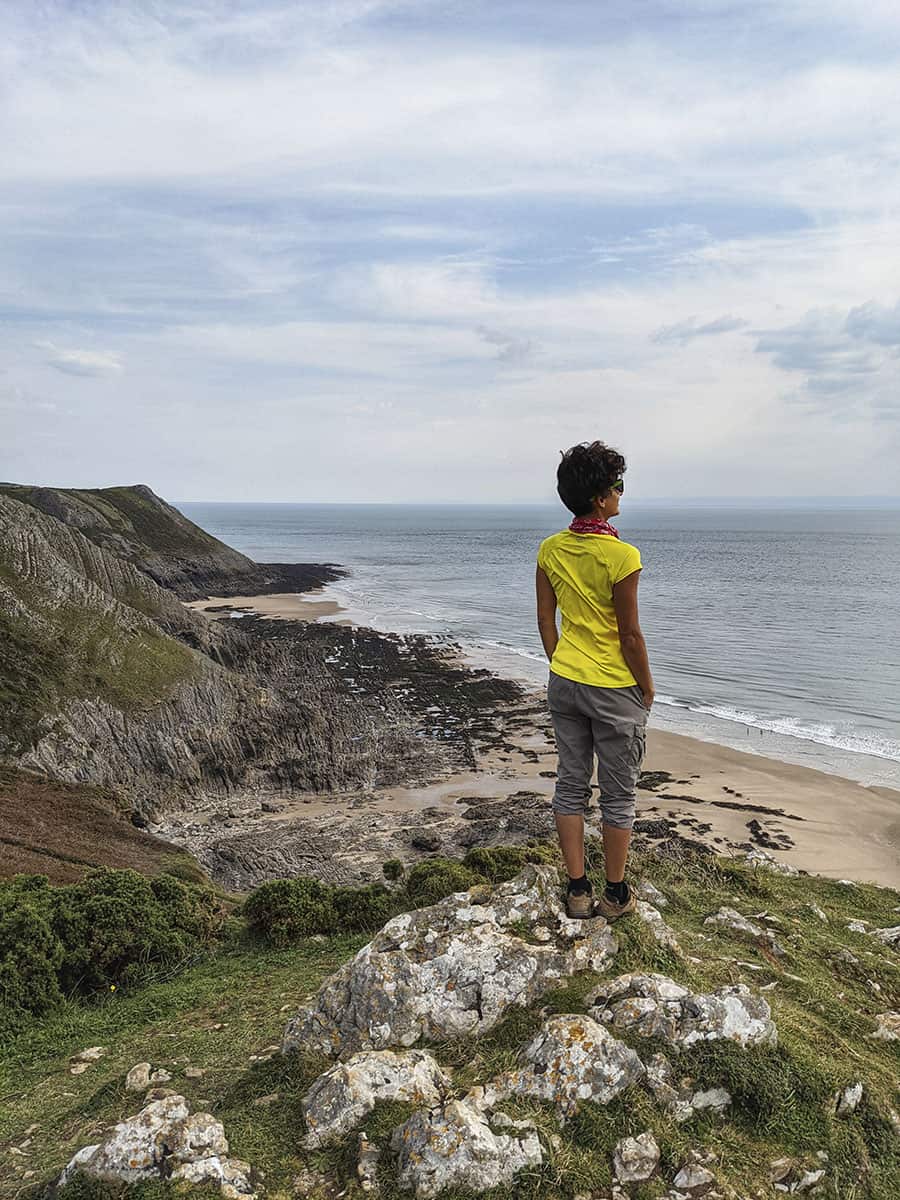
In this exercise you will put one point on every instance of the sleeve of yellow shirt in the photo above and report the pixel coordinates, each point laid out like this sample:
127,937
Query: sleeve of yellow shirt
629,562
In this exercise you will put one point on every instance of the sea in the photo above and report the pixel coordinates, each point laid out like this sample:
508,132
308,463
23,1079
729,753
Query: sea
774,630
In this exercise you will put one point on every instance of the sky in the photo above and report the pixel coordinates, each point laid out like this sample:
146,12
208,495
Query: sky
404,250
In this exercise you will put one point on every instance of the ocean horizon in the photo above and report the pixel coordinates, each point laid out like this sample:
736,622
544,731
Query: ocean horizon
771,626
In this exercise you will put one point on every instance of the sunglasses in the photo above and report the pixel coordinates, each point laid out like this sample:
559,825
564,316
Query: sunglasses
619,486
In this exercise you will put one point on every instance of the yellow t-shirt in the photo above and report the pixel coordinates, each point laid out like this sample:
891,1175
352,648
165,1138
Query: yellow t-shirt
583,567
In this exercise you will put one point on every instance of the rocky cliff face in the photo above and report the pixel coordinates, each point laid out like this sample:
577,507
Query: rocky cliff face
137,526
106,678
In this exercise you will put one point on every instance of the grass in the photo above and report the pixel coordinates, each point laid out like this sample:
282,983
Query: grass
782,1096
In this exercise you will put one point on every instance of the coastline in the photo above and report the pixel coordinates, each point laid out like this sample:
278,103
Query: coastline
726,799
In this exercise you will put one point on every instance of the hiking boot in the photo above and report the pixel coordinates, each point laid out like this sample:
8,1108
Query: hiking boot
579,905
612,908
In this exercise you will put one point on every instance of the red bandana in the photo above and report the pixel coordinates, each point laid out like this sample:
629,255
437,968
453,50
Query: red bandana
593,525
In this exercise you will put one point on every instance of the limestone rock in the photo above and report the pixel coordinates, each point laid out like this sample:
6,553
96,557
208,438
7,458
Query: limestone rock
888,1026
729,918
635,1158
654,1005
653,918
659,1079
757,857
341,1097
714,1100
573,1058
367,1159
817,912
138,1078
164,1141
694,1179
452,969
454,1146
846,1102
651,894
91,1054
889,935
857,926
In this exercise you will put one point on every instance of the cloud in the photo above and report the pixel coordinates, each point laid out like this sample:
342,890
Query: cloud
842,354
81,362
512,350
387,232
873,322
687,331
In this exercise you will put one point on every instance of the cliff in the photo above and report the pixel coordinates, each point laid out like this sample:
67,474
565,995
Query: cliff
107,679
136,525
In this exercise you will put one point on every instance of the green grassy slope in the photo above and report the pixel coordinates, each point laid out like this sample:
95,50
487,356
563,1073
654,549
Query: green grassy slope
216,1014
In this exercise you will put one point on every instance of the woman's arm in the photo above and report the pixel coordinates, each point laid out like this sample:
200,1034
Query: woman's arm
546,612
634,648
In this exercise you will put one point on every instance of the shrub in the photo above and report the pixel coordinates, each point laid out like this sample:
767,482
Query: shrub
111,927
393,869
117,925
30,955
284,910
499,863
435,878
364,909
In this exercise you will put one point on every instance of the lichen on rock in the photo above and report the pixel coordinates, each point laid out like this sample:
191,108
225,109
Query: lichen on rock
164,1141
573,1059
341,1097
653,1005
455,1146
452,969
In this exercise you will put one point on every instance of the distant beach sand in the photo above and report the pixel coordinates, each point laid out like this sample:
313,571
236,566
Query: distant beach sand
837,827
290,606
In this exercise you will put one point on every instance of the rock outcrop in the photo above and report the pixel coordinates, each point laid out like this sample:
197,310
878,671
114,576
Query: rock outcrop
653,1005
571,1060
341,1097
165,1141
110,680
452,969
455,1146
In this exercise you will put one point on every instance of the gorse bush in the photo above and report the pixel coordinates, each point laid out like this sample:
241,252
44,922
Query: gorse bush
435,878
288,909
110,928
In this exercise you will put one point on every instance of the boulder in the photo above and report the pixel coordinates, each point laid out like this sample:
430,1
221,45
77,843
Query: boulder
889,935
164,1141
635,1158
653,1005
341,1097
454,1146
757,857
452,969
572,1059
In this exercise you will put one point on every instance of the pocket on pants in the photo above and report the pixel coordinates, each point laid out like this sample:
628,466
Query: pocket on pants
638,746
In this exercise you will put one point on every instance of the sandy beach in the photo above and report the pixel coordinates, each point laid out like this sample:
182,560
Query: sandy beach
290,606
724,798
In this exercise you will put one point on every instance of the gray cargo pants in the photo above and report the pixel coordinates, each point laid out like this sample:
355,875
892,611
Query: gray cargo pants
610,723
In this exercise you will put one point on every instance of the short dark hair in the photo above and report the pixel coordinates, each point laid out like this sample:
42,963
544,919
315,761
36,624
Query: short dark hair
587,470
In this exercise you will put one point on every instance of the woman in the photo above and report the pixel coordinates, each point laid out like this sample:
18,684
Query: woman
600,690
